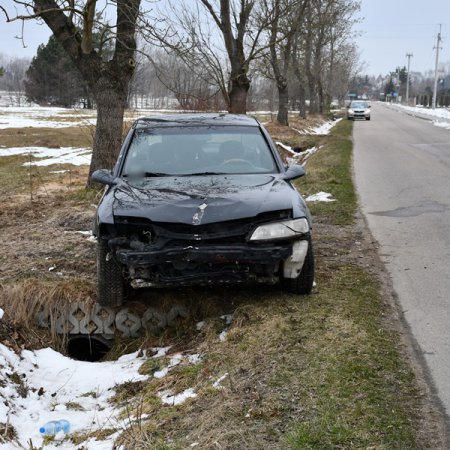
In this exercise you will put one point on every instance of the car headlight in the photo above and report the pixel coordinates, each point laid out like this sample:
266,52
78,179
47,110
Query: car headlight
367,111
280,230
350,111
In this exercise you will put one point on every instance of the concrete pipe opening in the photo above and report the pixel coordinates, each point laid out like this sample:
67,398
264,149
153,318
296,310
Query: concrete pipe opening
85,347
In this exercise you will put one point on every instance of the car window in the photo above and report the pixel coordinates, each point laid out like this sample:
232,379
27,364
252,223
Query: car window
358,105
196,150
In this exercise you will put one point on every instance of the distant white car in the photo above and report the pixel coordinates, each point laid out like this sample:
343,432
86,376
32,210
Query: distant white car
358,109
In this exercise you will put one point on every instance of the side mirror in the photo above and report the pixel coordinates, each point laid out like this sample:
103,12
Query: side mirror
294,171
103,176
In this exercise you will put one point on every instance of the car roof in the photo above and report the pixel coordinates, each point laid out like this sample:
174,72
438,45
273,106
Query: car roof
180,120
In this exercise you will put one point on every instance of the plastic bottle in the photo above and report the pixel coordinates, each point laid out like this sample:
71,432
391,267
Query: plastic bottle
55,426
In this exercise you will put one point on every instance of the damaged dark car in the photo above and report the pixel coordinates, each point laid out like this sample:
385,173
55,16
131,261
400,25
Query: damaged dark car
200,199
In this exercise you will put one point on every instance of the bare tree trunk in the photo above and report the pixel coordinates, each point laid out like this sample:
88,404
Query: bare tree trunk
320,96
302,101
313,109
237,96
283,104
108,133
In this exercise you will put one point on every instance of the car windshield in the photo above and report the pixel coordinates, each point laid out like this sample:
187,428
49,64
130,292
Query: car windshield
199,150
359,105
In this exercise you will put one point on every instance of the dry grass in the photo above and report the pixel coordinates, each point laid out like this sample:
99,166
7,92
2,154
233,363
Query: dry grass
47,137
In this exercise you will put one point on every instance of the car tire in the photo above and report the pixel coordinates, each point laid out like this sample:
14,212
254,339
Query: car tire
303,284
367,118
110,281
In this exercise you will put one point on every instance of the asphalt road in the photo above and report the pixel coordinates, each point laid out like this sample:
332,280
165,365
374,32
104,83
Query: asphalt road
402,173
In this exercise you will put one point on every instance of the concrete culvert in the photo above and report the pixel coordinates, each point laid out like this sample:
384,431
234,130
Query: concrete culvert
86,347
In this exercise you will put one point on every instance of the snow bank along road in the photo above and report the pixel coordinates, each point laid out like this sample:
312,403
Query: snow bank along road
402,172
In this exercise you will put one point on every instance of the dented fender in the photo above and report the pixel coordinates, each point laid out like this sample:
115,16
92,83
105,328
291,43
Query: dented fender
293,265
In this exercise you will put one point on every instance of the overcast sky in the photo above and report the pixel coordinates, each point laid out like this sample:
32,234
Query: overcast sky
392,28
389,29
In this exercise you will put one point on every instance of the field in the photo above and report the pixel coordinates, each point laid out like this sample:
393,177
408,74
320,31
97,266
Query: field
243,368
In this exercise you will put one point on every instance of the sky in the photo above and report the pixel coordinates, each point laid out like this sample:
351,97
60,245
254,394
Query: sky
392,28
389,29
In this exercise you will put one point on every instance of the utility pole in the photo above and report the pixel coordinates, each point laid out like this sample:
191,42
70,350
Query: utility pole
409,56
436,68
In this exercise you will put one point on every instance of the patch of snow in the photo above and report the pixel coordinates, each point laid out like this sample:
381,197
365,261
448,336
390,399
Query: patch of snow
194,359
443,113
168,399
52,381
42,117
223,336
174,361
1,313
64,155
228,318
325,128
439,124
199,325
217,384
161,373
286,147
160,351
320,197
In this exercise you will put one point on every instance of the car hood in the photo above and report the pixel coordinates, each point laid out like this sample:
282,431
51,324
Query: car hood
203,199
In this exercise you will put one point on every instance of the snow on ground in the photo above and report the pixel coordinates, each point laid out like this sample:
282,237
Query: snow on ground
168,399
48,156
443,113
53,387
320,197
44,117
440,117
324,128
440,124
40,386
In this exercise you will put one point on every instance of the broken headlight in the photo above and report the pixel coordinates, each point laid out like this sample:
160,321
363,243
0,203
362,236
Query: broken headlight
280,230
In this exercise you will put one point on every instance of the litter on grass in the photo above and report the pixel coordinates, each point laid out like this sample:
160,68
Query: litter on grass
320,197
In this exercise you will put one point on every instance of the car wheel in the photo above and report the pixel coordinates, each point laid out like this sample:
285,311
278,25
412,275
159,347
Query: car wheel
110,282
367,118
303,284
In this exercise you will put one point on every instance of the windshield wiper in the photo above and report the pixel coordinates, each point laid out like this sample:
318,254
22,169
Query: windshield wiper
204,173
146,175
156,174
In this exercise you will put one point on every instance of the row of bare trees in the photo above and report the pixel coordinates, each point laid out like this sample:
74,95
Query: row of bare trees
213,50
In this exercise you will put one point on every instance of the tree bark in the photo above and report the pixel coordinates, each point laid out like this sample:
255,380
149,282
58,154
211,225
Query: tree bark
108,132
283,104
302,101
238,94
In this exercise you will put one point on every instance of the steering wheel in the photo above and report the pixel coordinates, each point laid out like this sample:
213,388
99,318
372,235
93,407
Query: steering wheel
237,161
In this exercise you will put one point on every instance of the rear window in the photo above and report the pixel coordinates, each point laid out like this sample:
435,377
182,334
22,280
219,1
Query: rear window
198,150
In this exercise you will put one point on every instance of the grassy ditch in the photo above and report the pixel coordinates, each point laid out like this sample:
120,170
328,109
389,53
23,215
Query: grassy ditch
317,372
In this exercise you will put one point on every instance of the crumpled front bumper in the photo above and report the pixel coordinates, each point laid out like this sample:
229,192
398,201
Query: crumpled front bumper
207,254
206,264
